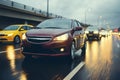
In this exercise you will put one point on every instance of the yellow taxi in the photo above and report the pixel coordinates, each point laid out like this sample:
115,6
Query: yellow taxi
13,33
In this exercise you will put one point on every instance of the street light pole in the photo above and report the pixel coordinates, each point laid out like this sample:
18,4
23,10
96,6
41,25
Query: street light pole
47,8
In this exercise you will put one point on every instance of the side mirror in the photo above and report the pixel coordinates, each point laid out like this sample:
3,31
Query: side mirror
77,28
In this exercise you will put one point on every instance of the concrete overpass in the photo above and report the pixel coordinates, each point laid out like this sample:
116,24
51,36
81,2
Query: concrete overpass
16,13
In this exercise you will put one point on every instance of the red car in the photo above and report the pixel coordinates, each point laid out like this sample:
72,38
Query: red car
55,37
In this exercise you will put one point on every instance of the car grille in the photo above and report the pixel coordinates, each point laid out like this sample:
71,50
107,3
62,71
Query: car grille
39,39
3,35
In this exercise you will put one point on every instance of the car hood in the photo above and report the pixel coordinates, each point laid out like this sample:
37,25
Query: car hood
7,31
46,32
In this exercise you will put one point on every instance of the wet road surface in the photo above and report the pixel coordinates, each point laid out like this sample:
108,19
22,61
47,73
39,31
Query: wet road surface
101,62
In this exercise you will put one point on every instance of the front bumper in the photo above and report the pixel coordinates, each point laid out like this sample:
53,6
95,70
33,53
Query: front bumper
46,49
6,38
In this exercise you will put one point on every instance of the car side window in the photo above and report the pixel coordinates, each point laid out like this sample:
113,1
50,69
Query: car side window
79,24
24,27
75,24
28,27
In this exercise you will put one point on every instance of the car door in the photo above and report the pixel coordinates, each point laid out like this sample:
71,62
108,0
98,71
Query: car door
76,35
82,35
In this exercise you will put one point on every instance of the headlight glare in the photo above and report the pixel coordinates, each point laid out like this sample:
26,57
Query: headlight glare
86,32
96,32
23,36
61,37
10,34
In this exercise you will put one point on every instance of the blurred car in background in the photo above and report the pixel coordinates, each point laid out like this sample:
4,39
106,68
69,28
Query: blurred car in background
56,37
13,33
119,34
93,32
104,33
119,31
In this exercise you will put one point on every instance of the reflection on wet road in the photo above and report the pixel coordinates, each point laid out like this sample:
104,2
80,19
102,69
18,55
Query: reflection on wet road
51,69
99,59
10,63
16,67
101,63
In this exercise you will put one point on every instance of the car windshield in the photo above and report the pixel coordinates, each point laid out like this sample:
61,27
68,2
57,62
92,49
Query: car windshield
12,27
55,24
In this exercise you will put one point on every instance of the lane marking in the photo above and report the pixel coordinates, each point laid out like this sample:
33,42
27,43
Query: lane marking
14,50
118,45
70,75
2,52
17,49
74,71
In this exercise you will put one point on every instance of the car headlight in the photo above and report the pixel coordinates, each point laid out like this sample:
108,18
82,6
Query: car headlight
118,33
95,32
24,37
86,32
10,34
61,37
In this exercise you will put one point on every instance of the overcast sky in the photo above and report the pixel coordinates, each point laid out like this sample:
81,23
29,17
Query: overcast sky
97,11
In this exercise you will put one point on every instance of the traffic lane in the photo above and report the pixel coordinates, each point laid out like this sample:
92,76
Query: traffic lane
48,69
10,64
97,66
16,67
115,71
102,60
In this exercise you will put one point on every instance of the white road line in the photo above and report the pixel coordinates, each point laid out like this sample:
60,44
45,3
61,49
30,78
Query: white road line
2,52
74,71
118,45
6,51
17,49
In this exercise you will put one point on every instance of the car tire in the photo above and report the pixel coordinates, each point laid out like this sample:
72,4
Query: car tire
84,49
72,51
17,40
99,38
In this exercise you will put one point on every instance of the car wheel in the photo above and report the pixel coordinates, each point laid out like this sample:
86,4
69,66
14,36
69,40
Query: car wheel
84,49
72,51
98,38
17,39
